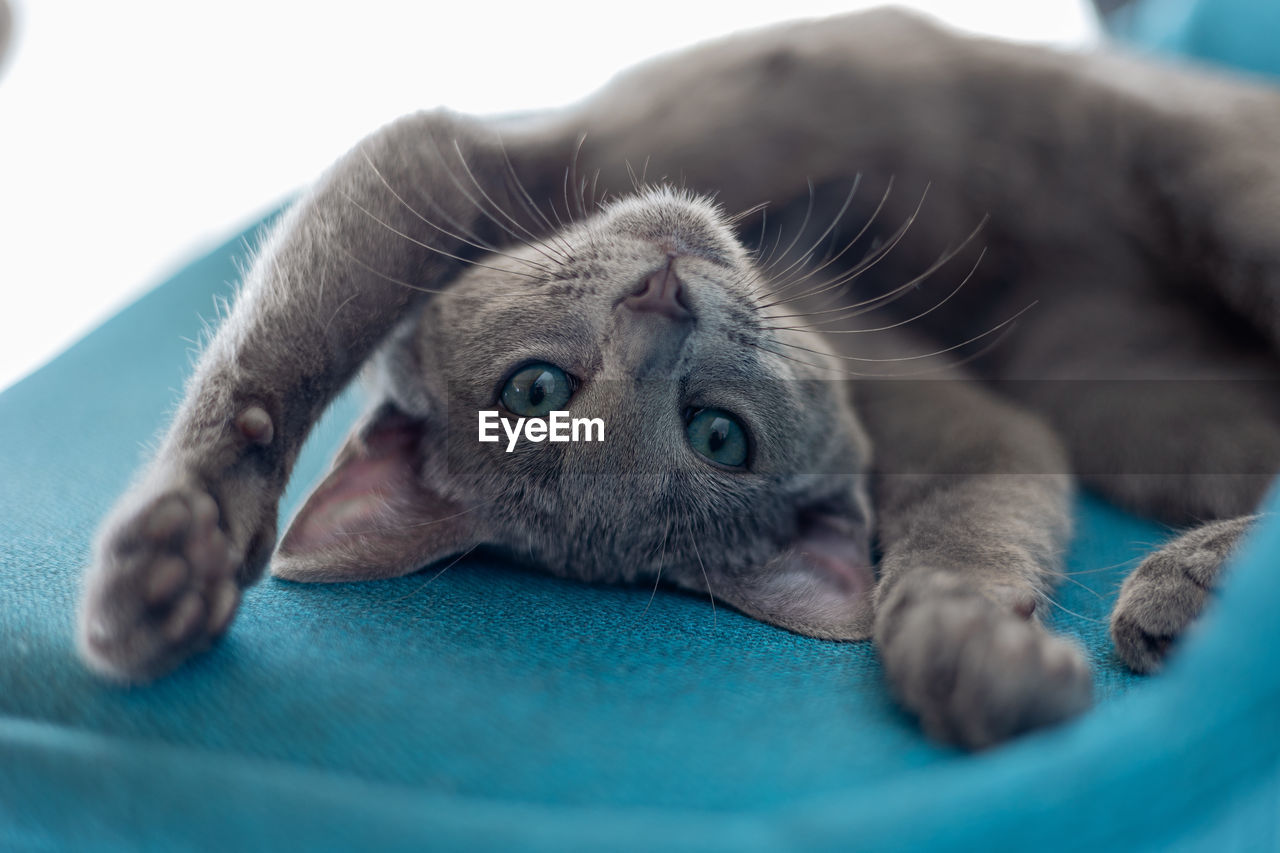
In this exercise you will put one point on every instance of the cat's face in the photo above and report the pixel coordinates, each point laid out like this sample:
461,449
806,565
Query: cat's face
731,457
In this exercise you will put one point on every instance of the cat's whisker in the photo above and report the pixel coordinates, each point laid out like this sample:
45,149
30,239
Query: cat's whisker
835,284
693,540
571,174
1008,326
865,306
631,174
458,514
472,237
841,371
426,246
1126,565
481,245
847,312
875,214
896,359
397,528
824,367
560,223
595,181
582,197
862,266
768,262
749,282
758,251
838,283
968,358
561,245
479,207
435,577
661,562
1083,586
537,240
743,214
343,304
934,307
804,223
1071,612
785,273
383,275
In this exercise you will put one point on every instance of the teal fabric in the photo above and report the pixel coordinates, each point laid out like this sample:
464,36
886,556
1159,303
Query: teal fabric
492,708
1244,34
489,707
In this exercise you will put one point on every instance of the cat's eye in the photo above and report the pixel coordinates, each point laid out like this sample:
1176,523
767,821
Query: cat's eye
717,435
536,389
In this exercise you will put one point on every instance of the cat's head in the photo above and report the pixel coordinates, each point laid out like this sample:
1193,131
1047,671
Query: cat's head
731,458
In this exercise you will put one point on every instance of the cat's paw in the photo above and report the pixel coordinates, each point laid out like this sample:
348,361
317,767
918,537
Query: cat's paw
974,671
1169,590
163,587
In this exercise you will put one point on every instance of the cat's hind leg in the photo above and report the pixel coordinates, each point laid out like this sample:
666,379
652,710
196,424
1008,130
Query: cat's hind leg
1169,590
1170,416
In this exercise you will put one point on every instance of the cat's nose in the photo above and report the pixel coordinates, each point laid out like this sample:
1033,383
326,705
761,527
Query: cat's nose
662,293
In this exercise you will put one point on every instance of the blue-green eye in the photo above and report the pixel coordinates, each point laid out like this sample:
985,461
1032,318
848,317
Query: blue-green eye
536,389
719,436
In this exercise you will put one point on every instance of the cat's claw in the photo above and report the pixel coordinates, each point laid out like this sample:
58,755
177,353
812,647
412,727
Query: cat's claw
975,672
1167,592
163,587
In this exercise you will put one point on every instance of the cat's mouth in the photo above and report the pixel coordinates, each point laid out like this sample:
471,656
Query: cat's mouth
678,245
679,224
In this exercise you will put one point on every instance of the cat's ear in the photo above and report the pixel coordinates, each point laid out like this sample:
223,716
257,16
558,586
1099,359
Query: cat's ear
372,516
821,586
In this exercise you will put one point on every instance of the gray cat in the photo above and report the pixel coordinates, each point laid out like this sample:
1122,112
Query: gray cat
982,269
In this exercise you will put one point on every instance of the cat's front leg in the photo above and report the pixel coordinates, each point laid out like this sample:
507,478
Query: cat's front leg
170,563
973,502
391,221
973,669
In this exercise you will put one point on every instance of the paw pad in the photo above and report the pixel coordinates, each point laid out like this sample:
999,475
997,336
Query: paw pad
163,587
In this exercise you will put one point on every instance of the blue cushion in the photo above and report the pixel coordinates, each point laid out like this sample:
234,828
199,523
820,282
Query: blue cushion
1244,34
490,706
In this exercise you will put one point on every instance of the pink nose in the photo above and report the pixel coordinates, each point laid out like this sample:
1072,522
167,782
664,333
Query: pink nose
662,293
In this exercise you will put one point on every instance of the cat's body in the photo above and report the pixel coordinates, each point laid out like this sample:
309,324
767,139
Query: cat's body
1124,275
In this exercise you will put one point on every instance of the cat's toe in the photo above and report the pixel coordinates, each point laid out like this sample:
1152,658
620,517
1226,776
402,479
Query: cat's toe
977,673
222,608
162,588
1169,591
1157,603
1018,678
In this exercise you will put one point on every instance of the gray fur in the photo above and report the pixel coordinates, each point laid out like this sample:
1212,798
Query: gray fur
1166,593
1128,216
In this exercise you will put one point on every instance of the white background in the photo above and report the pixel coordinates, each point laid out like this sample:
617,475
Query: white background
135,133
